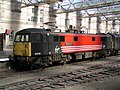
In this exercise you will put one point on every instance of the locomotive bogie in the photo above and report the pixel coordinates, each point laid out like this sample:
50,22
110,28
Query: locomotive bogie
19,62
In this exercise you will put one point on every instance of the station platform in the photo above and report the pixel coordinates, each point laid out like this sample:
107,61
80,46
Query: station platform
5,53
4,60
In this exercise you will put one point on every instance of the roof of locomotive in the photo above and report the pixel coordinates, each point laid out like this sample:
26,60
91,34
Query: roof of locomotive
31,30
114,35
118,35
37,30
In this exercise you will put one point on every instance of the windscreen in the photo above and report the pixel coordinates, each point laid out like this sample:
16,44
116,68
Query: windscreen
22,38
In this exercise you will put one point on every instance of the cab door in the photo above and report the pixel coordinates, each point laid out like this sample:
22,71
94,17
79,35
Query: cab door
44,44
39,44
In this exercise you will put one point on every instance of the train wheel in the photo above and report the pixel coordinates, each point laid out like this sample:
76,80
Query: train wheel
62,62
116,52
20,65
41,62
13,64
34,66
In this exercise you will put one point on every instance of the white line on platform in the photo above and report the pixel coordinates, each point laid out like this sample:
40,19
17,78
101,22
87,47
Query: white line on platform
4,59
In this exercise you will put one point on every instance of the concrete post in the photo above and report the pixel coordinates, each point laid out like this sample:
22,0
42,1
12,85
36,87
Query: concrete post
119,26
78,20
113,24
98,24
106,31
66,21
89,25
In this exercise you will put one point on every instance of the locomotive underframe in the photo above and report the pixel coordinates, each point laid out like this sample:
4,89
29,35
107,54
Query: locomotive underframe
21,62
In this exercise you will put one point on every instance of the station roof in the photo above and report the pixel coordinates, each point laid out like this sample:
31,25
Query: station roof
92,8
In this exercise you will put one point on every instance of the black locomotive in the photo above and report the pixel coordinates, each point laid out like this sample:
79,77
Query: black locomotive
39,47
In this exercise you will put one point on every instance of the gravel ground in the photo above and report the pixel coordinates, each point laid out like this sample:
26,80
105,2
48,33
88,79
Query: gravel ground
110,83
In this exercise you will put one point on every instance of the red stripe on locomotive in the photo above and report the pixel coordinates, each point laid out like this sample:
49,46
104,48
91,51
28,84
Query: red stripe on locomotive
85,43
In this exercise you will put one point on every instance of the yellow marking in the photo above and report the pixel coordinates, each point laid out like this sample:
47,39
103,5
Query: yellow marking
22,48
29,49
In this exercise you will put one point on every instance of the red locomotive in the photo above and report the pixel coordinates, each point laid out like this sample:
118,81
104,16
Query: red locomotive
81,43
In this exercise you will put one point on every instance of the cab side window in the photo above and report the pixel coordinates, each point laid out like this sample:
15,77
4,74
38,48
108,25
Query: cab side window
18,37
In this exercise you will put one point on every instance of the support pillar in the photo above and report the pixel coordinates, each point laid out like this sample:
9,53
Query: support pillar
113,24
89,25
66,21
106,31
119,26
78,20
98,24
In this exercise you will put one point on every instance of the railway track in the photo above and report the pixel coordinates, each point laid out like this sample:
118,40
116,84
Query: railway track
12,73
66,79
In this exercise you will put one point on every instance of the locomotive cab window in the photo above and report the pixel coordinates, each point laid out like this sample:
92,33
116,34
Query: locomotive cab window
22,38
75,38
17,38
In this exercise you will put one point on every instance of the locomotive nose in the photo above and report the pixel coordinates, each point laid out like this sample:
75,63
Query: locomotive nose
22,48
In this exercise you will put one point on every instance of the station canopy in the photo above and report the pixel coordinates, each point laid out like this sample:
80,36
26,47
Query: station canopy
93,8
